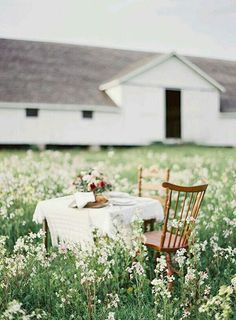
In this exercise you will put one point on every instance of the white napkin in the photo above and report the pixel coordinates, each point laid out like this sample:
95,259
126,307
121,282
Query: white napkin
81,199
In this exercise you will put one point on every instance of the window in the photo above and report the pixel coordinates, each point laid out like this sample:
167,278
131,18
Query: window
31,112
86,114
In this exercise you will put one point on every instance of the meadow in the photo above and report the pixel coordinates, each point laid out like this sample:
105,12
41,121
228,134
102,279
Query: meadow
109,281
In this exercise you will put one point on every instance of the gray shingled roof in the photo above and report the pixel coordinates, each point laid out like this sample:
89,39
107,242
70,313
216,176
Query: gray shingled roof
71,74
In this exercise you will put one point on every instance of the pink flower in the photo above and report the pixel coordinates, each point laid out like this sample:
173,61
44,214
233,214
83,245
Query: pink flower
101,184
63,248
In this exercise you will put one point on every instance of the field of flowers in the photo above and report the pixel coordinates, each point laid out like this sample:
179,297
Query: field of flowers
110,281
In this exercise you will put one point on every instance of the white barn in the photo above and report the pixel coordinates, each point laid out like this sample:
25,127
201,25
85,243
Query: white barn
60,94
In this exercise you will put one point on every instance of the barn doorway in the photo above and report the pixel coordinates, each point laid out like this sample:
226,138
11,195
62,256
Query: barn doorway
173,114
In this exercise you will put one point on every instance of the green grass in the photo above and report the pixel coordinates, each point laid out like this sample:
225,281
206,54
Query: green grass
51,286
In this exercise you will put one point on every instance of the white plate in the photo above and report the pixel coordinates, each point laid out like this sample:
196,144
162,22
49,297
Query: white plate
115,194
123,202
95,206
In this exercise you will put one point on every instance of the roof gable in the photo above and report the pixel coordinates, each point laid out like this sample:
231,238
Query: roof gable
126,76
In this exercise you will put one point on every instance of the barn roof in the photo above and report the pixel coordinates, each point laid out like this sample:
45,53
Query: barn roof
42,72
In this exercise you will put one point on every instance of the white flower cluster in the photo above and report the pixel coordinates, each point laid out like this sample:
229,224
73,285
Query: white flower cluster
24,251
15,311
221,305
136,268
180,257
113,300
111,316
159,284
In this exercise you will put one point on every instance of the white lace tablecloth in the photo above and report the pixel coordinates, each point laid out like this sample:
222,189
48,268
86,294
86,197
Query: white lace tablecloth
76,225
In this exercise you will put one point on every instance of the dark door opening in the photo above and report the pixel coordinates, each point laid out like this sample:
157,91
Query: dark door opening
173,115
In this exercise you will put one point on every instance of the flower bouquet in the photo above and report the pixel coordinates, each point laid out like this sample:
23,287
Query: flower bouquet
93,181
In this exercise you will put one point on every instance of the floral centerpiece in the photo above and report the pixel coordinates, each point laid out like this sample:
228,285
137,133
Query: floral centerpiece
92,180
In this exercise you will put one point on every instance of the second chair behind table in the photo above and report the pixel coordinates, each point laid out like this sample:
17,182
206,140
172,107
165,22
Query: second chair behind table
150,185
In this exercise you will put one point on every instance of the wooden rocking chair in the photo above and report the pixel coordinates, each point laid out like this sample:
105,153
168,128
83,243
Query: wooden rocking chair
150,185
181,210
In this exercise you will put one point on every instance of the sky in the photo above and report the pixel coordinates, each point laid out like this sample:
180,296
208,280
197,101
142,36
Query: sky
191,27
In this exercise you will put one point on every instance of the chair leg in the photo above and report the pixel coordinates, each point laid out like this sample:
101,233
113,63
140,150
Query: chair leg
45,229
156,255
170,270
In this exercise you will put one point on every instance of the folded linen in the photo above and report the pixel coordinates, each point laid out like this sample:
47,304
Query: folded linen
82,198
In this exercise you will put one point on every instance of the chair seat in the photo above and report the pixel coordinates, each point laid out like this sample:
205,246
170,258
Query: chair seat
153,240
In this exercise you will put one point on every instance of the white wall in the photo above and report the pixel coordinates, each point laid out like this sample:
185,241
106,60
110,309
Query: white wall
143,113
66,126
200,110
202,121
225,129
59,127
172,73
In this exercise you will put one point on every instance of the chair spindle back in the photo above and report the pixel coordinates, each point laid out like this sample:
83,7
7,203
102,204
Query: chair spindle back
181,210
150,180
